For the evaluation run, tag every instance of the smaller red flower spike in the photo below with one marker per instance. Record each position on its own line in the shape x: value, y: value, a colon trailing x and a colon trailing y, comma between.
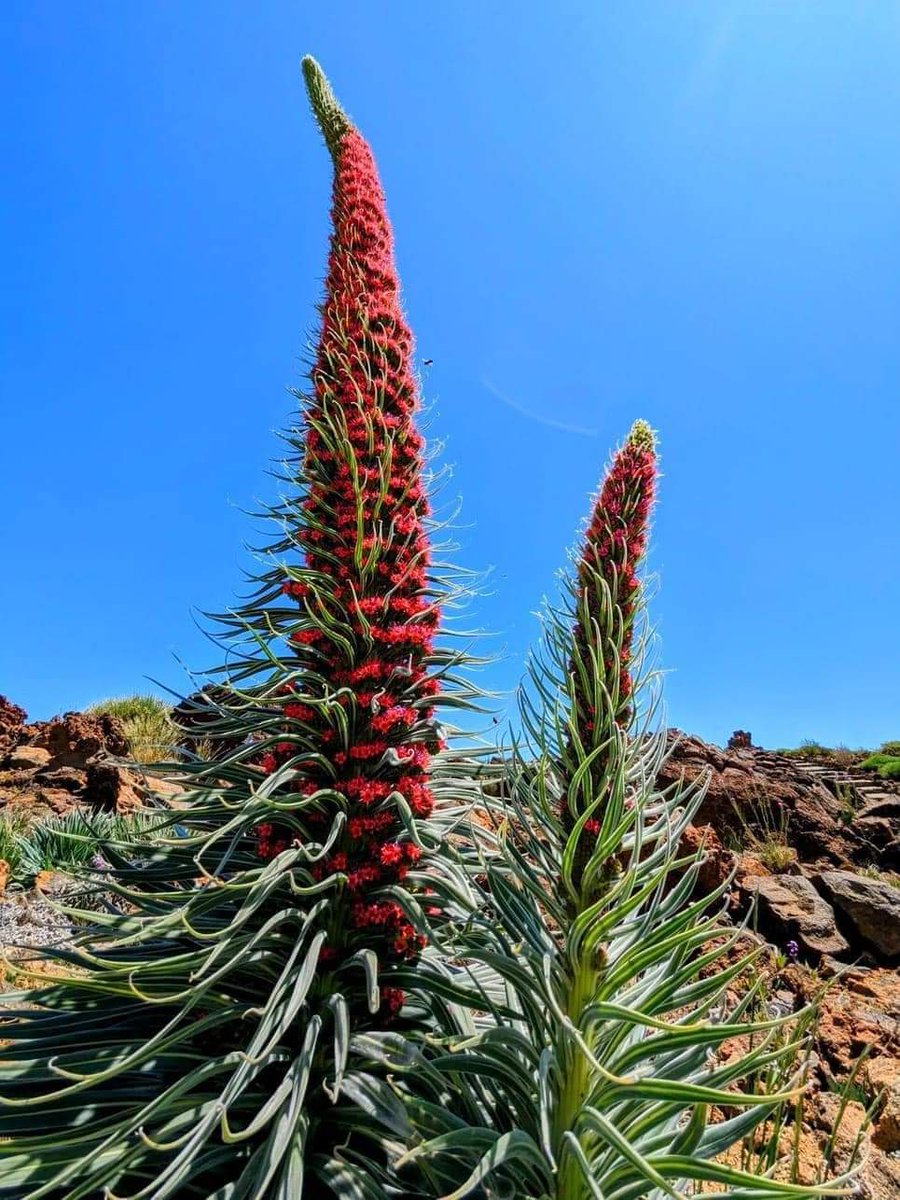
x: 614, y: 545
x: 607, y: 588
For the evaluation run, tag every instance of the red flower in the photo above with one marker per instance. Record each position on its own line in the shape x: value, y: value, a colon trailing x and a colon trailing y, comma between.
x: 390, y: 854
x: 606, y: 591
x: 299, y: 712
x: 392, y: 1000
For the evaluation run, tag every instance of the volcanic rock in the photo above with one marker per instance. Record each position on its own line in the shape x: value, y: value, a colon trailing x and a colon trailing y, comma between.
x: 75, y: 738
x: 792, y: 910
x: 27, y: 758
x: 887, y: 808
x: 110, y: 788
x: 70, y: 779
x: 104, y: 782
x: 717, y: 863
x: 58, y: 800
x: 830, y: 815
x: 12, y: 718
x: 871, y: 907
x: 882, y: 1076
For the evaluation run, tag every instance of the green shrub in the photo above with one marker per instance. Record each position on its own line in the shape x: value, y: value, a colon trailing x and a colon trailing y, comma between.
x: 839, y: 756
x: 148, y: 725
x: 129, y: 708
x: 774, y: 854
x: 807, y: 749
x: 761, y: 828
x: 873, y: 762
x: 891, y: 748
x: 887, y: 765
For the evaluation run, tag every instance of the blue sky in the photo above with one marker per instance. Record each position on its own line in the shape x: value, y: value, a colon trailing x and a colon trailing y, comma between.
x: 685, y: 212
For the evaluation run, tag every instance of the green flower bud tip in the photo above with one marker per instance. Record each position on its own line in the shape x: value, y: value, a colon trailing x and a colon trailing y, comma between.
x: 642, y: 436
x: 332, y: 119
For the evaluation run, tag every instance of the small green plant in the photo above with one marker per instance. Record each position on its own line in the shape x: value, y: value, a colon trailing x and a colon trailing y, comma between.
x: 763, y: 1148
x: 876, y: 873
x: 891, y: 748
x: 774, y: 853
x: 809, y: 748
x: 67, y: 843
x: 847, y: 799
x: 843, y: 756
x: 849, y: 1091
x: 763, y: 831
x: 14, y: 825
x: 148, y: 725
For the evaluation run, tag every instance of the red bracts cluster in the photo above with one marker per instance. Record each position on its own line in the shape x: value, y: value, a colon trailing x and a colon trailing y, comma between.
x: 614, y: 545
x: 607, y: 586
x: 366, y: 623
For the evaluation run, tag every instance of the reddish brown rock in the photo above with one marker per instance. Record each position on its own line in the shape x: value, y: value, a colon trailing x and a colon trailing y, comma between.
x: 790, y: 909
x: 859, y: 1012
x: 740, y: 740
x: 750, y: 867
x: 871, y: 907
x: 56, y: 799
x: 28, y: 758
x: 822, y: 809
x: 70, y: 779
x: 109, y: 788
x: 882, y: 1078
x: 12, y: 718
x: 717, y: 863
x: 735, y: 789
x: 75, y: 738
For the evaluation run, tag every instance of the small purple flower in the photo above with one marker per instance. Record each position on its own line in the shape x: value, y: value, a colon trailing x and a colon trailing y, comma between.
x: 792, y: 950
x: 99, y: 863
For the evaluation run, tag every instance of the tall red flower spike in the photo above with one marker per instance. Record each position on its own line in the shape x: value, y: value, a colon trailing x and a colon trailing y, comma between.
x: 606, y: 590
x: 367, y: 621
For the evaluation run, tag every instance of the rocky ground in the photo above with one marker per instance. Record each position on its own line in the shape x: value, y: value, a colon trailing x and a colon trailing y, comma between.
x: 52, y: 766
x: 47, y: 769
x: 815, y: 844
x: 812, y: 848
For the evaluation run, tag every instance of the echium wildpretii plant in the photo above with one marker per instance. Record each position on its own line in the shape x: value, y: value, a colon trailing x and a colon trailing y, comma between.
x: 591, y: 1070
x: 198, y: 1041
x: 301, y: 988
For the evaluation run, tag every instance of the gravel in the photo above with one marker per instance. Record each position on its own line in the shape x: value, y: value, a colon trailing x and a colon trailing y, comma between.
x: 27, y: 921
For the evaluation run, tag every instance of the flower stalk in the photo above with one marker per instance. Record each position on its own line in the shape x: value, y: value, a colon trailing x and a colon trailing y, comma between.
x: 606, y: 598
x: 366, y: 619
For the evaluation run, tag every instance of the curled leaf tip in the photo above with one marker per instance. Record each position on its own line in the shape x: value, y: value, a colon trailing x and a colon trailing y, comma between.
x: 332, y: 119
x: 642, y: 436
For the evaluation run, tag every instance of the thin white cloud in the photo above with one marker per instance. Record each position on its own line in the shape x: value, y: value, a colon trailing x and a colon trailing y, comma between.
x: 706, y: 75
x: 580, y: 430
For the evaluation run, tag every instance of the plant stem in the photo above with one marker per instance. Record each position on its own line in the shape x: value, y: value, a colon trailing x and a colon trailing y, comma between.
x: 576, y: 1087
